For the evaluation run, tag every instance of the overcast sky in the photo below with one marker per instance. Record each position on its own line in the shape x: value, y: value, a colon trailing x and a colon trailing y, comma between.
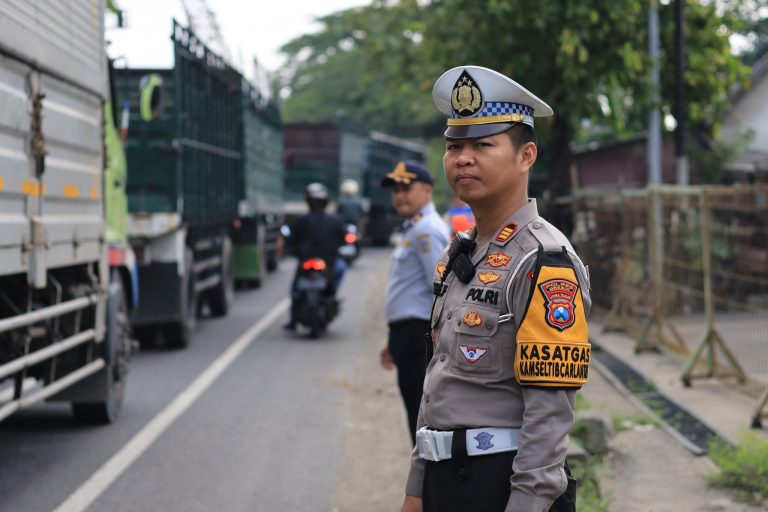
x: 250, y: 28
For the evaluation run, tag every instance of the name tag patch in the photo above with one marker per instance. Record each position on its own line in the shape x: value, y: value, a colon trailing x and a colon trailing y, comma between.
x: 472, y: 354
x: 483, y: 296
x: 558, y: 364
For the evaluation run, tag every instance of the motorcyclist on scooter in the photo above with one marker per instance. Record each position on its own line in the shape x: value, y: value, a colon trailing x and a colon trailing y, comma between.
x: 317, y: 234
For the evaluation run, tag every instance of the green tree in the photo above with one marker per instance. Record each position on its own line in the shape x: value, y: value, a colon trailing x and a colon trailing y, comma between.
x: 587, y: 59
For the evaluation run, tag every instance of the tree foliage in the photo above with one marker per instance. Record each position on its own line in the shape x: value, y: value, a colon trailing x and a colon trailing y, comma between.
x: 587, y: 59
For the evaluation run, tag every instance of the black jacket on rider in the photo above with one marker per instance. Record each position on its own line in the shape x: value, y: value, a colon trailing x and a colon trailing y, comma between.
x: 318, y: 235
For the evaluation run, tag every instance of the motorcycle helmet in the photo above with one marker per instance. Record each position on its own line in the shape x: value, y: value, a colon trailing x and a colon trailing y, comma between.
x: 349, y: 188
x: 316, y: 195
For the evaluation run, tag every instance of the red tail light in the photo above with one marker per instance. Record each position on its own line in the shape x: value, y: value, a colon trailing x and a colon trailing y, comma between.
x: 350, y: 238
x: 314, y: 264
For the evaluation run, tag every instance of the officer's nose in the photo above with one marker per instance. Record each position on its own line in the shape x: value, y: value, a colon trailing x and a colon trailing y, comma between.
x: 465, y: 157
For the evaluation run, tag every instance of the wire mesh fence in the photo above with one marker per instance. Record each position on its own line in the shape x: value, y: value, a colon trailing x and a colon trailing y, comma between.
x: 685, y: 268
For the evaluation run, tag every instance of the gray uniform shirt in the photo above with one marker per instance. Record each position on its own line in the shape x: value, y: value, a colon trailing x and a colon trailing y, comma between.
x: 409, y: 287
x: 471, y: 380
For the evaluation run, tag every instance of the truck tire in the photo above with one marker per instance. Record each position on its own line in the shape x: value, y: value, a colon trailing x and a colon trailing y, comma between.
x: 117, y: 353
x: 220, y: 297
x: 178, y: 334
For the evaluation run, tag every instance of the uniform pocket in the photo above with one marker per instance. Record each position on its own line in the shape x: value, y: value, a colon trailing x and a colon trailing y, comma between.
x: 477, y: 351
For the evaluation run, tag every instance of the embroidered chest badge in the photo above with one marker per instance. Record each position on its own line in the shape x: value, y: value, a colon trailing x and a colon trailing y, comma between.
x: 484, y: 441
x: 506, y: 232
x: 488, y: 277
x: 472, y: 354
x: 559, y: 295
x: 498, y: 259
x: 472, y: 318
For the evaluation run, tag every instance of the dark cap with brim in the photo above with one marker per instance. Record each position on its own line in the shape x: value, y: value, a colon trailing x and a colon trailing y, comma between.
x: 406, y: 173
x: 476, y: 131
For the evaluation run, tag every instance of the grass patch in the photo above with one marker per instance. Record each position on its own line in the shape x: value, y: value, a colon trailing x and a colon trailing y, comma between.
x: 622, y: 422
x: 588, y: 495
x: 744, y: 468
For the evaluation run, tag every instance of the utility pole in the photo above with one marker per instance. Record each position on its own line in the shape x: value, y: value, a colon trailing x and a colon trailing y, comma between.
x: 681, y: 102
x: 654, y: 119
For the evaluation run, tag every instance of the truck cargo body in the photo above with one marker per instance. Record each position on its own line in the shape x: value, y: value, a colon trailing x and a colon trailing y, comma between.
x: 61, y: 309
x: 261, y: 203
x: 326, y: 153
x: 200, y: 175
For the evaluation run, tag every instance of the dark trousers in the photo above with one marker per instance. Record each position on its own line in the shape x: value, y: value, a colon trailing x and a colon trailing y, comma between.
x: 478, y: 484
x: 407, y: 349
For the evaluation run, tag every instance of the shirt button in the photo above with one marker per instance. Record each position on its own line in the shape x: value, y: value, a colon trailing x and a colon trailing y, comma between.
x: 489, y: 325
x: 449, y: 315
x: 426, y: 398
x: 536, y: 225
x: 442, y: 358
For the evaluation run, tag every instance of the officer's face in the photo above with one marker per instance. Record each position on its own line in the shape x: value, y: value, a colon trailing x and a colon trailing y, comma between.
x: 488, y: 170
x: 409, y: 199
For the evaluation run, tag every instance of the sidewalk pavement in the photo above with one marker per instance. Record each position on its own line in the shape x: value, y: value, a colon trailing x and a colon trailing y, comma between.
x: 649, y: 470
x: 719, y: 404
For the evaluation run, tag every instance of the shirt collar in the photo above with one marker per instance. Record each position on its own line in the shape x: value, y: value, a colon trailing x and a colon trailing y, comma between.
x: 426, y: 210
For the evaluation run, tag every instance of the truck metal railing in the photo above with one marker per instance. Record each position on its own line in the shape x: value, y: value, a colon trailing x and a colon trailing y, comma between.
x: 23, y: 363
x: 51, y: 389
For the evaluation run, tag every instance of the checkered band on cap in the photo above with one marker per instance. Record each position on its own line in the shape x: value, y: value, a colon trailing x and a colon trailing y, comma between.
x: 496, y: 112
x: 500, y: 108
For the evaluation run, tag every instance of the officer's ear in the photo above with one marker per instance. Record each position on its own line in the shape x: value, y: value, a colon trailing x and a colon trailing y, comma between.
x: 526, y: 156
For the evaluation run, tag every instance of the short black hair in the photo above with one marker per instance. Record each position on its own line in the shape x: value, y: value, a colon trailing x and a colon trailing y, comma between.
x: 521, y: 134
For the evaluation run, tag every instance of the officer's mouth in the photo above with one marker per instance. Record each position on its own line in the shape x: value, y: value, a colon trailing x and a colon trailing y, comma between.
x: 465, y: 178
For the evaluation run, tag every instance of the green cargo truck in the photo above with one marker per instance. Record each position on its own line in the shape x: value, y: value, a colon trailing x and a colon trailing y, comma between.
x: 261, y: 201
x: 195, y: 184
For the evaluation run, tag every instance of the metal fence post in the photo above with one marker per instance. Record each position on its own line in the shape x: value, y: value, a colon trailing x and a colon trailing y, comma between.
x: 712, y: 338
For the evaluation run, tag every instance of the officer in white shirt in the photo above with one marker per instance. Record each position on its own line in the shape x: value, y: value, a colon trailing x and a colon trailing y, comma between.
x: 409, y: 288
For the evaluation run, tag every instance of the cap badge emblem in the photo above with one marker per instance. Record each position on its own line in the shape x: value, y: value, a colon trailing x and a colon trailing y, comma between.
x: 473, y: 318
x: 466, y: 98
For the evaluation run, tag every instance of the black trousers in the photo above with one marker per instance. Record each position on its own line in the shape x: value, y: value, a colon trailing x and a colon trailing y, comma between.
x: 478, y: 484
x: 407, y: 349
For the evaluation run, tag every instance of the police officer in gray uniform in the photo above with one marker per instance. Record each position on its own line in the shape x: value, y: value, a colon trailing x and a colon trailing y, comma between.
x: 409, y: 288
x: 509, y: 320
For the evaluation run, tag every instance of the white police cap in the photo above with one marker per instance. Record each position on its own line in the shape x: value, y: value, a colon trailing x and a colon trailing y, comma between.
x: 480, y: 102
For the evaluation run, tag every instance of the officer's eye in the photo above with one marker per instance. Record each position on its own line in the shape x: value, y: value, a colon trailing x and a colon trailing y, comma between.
x: 452, y: 147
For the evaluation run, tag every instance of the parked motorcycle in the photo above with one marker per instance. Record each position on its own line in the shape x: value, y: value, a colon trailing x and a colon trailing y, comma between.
x: 314, y: 303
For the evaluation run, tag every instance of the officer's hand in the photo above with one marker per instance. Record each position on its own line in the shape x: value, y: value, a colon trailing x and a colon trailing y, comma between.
x: 385, y: 359
x: 412, y: 504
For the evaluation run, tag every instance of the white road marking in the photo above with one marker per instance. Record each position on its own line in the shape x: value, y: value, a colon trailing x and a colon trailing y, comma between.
x: 92, y: 488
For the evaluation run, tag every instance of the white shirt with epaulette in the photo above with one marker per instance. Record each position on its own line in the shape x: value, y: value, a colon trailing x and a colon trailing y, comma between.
x: 409, y: 287
x: 511, y: 348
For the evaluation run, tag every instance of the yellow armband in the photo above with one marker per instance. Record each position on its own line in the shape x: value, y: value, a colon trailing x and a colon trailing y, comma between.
x: 552, y: 341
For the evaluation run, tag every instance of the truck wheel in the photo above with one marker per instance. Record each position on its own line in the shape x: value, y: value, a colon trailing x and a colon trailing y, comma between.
x: 220, y: 296
x: 117, y: 353
x: 179, y: 333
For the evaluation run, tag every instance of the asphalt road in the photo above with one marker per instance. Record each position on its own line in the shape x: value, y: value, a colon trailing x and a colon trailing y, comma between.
x: 276, y: 430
